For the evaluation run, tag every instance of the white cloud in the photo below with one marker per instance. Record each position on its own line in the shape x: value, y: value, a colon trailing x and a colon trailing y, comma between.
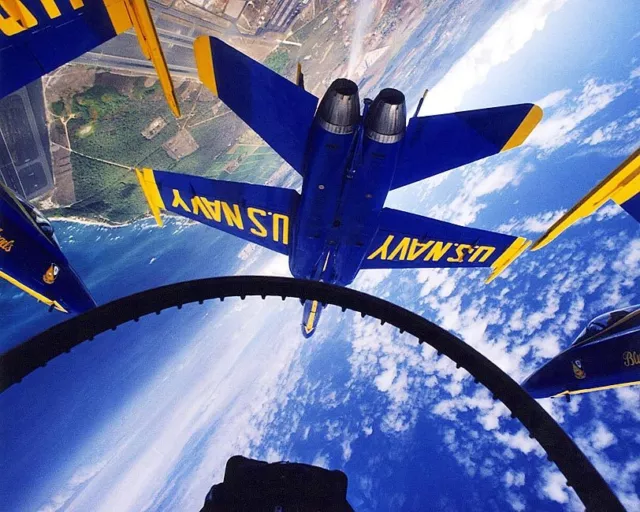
x: 480, y: 179
x: 502, y: 41
x: 520, y: 441
x: 622, y: 131
x: 635, y: 73
x: 563, y: 125
x: 554, y: 487
x: 514, y: 478
x: 602, y: 437
x: 75, y: 483
x: 553, y: 98
x: 537, y: 223
x: 608, y: 211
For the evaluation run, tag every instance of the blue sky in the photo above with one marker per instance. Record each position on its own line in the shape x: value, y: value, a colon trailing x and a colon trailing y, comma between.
x: 117, y: 426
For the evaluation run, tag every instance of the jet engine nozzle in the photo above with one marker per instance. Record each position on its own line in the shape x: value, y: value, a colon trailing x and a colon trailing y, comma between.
x: 339, y: 110
x: 386, y: 121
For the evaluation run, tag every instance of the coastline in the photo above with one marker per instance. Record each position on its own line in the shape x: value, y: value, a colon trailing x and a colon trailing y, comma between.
x: 92, y: 222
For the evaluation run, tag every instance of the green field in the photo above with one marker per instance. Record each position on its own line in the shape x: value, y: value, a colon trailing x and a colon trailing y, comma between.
x: 107, y: 125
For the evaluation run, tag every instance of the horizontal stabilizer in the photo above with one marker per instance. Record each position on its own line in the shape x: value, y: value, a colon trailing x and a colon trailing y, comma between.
x: 405, y: 240
x: 278, y: 110
x: 621, y: 186
x: 38, y: 36
x: 435, y: 144
x: 256, y: 213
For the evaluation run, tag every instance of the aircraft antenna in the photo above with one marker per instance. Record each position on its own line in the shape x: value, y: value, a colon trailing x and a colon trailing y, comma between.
x: 420, y: 103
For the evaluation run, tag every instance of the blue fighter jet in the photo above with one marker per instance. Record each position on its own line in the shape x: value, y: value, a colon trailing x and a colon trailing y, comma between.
x: 605, y: 355
x: 350, y: 156
x: 31, y: 259
x: 36, y: 37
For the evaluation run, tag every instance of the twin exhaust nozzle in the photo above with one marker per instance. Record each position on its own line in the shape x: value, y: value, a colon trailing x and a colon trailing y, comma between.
x: 339, y: 112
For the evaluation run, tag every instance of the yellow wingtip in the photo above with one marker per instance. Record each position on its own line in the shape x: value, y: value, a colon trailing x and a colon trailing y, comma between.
x: 151, y: 192
x: 527, y: 125
x: 204, y: 63
x: 620, y: 185
x: 518, y: 246
x: 32, y: 292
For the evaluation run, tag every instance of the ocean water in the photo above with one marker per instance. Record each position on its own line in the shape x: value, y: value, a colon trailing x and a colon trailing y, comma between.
x: 116, y: 262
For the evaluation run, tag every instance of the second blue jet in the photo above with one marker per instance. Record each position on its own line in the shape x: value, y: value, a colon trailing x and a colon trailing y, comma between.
x: 349, y: 157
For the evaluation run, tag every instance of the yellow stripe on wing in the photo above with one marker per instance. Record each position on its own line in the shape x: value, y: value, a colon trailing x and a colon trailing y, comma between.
x: 151, y: 192
x: 125, y: 14
x: 527, y: 125
x: 150, y: 44
x: 508, y: 257
x: 120, y: 19
x: 32, y: 292
x: 599, y: 388
x: 620, y: 186
x: 204, y: 63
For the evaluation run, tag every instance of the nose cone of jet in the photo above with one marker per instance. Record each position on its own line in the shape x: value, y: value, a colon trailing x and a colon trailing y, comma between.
x: 546, y: 381
x: 71, y: 293
x: 306, y: 332
x: 310, y: 317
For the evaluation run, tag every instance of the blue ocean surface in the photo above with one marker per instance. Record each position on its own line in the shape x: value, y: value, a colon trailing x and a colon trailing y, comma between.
x: 118, y: 261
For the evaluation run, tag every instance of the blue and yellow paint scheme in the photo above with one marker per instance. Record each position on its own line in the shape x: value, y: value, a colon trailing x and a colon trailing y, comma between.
x: 350, y: 156
x: 605, y: 355
x: 31, y: 259
x: 622, y: 186
x: 38, y: 36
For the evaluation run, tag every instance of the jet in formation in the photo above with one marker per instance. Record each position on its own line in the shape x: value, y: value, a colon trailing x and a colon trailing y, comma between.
x: 31, y: 258
x: 350, y: 155
x: 605, y: 355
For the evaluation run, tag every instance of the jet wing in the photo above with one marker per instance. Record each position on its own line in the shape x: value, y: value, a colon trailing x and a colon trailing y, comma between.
x: 621, y: 186
x: 405, y: 240
x: 256, y: 213
x: 278, y: 110
x: 38, y: 36
x: 435, y: 144
x: 33, y: 261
